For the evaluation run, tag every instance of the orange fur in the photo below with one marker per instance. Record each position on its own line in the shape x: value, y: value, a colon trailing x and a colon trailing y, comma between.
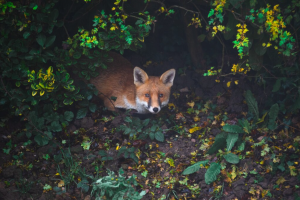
x: 132, y: 87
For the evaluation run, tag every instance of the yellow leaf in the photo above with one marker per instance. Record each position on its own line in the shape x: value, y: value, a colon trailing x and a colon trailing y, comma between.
x: 112, y: 28
x: 228, y: 83
x: 141, y: 39
x: 42, y: 92
x: 196, y: 119
x: 61, y: 183
x: 223, y: 123
x: 118, y: 147
x: 34, y: 93
x: 280, y: 180
x: 113, y: 8
x: 236, y: 82
x: 171, y: 106
x: 276, y: 160
x: 191, y: 104
x: 262, y: 162
x: 262, y: 119
x: 192, y: 130
x: 264, y: 193
x: 292, y: 171
x: 252, y: 191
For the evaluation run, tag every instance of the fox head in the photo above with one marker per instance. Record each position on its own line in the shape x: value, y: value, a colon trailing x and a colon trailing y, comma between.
x: 153, y: 92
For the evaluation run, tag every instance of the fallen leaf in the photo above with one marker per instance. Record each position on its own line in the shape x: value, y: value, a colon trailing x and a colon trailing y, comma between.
x: 280, y: 180
x: 61, y: 183
x: 186, y: 89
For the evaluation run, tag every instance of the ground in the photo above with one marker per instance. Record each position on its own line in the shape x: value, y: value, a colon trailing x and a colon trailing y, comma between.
x: 198, y: 110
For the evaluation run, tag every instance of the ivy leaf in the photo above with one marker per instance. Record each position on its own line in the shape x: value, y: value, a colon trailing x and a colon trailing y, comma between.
x: 211, y: 13
x: 232, y: 158
x: 41, y: 39
x: 212, y: 172
x: 194, y: 168
x: 68, y: 115
x: 81, y: 113
x: 55, y: 126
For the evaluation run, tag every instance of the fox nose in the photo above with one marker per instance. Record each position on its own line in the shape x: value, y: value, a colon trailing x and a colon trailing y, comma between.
x: 155, y: 109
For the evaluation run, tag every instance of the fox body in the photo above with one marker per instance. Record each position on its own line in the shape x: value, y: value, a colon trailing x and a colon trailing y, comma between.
x: 133, y: 88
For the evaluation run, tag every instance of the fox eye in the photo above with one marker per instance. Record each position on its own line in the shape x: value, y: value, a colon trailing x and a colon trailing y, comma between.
x: 147, y: 95
x: 161, y: 95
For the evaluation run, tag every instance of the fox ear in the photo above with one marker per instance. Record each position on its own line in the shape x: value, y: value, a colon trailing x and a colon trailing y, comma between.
x: 140, y: 76
x: 168, y: 77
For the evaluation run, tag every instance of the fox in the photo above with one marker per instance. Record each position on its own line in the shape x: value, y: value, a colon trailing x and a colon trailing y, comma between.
x: 132, y: 87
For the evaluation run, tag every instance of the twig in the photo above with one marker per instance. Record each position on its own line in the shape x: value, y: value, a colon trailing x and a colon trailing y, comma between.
x: 269, y: 72
x: 84, y: 13
x: 5, y: 87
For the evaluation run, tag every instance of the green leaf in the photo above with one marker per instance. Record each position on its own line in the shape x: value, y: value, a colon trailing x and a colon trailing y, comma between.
x: 68, y: 101
x: 26, y: 34
x: 69, y: 115
x: 277, y: 84
x: 35, y: 7
x: 245, y: 125
x: 43, y: 139
x: 272, y: 116
x: 232, y: 158
x: 211, y: 13
x: 231, y: 140
x: 159, y: 136
x: 41, y: 39
x: 212, y: 172
x: 151, y: 135
x: 128, y: 119
x: 236, y: 3
x: 233, y: 128
x: 50, y: 41
x: 55, y: 126
x: 81, y: 113
x: 77, y: 55
x: 194, y: 168
x: 252, y: 104
x: 241, y: 147
x: 92, y: 107
x: 220, y: 143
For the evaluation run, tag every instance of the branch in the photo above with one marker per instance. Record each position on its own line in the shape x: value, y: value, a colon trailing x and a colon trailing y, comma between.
x: 5, y: 87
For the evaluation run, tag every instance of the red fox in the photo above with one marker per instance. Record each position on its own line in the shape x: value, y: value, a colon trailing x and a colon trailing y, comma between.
x: 133, y: 88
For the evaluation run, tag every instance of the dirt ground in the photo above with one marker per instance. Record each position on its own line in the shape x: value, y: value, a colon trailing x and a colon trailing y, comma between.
x: 24, y: 171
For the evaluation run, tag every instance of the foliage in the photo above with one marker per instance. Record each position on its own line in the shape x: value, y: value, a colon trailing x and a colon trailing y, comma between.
x: 116, y: 187
x: 31, y: 64
x: 136, y: 127
x: 128, y: 153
